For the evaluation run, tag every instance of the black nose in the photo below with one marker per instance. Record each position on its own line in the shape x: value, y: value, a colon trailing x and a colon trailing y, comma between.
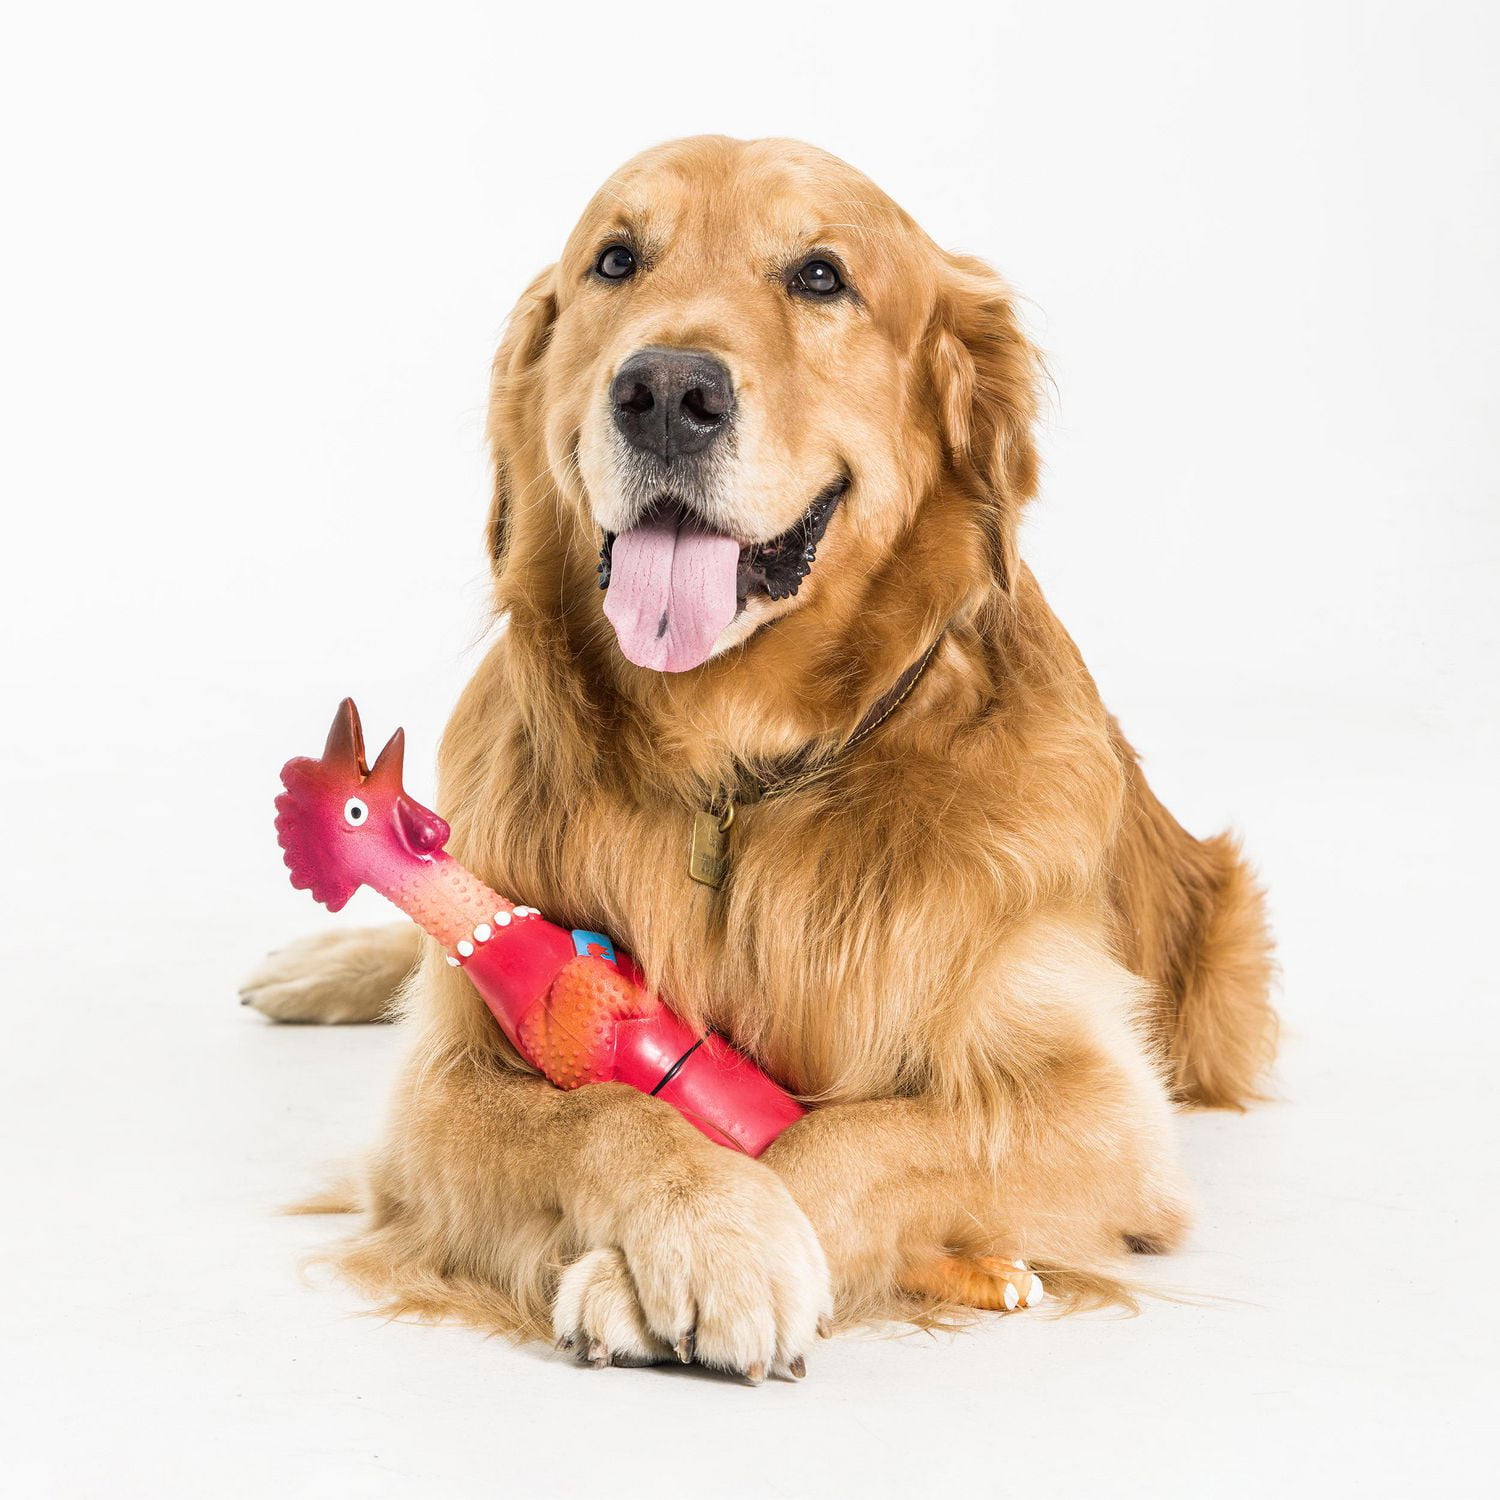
x: 671, y: 401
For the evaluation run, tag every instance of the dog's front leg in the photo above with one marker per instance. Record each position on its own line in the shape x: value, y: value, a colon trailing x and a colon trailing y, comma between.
x: 889, y: 1186
x: 906, y: 1210
x: 1047, y: 1136
x: 601, y: 1210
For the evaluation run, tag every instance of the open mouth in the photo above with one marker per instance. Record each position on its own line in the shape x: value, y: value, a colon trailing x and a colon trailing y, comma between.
x: 673, y: 586
x: 778, y: 567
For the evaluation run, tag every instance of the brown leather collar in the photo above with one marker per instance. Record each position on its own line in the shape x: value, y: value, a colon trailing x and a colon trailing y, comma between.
x: 755, y: 788
x: 708, y: 854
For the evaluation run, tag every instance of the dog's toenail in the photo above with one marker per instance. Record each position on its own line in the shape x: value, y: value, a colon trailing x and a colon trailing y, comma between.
x: 756, y: 1373
x: 798, y: 1367
x: 685, y: 1346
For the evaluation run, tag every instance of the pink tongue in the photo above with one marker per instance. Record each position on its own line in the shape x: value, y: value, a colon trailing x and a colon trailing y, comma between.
x: 671, y: 593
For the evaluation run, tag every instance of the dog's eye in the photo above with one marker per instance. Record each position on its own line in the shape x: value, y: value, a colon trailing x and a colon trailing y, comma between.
x: 818, y: 279
x: 355, y: 813
x: 616, y: 263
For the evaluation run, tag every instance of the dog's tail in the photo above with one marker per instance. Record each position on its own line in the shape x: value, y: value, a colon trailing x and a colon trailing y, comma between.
x: 1191, y: 920
x: 341, y: 1196
x: 1224, y: 1033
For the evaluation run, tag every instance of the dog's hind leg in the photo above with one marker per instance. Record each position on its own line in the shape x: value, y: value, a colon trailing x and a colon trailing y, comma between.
x: 340, y: 975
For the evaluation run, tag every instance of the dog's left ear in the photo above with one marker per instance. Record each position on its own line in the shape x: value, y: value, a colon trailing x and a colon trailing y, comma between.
x: 985, y: 378
x: 527, y: 332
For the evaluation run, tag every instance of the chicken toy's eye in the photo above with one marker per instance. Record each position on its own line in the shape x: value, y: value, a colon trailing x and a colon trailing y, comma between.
x: 355, y: 813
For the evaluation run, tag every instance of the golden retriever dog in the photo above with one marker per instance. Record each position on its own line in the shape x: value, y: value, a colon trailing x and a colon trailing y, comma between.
x: 794, y: 438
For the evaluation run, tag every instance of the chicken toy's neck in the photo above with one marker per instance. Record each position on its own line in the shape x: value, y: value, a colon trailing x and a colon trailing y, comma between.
x: 445, y: 899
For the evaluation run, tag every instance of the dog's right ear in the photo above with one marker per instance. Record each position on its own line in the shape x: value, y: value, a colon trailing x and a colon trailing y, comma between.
x: 512, y: 377
x: 985, y: 376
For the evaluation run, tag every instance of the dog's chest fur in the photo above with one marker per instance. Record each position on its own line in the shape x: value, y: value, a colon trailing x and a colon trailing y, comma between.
x: 812, y: 952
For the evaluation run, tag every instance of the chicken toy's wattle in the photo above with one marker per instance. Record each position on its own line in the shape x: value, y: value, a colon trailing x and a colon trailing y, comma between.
x: 567, y: 1000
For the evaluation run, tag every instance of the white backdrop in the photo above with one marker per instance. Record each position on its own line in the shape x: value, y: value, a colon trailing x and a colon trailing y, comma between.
x: 257, y: 259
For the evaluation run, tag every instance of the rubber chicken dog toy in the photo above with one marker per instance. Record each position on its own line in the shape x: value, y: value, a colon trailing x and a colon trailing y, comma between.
x: 570, y: 1002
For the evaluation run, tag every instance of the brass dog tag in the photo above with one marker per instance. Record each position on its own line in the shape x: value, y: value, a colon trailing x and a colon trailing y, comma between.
x: 708, y: 862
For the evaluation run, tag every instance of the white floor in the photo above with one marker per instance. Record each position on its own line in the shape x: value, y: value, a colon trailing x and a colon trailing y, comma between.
x: 1341, y: 1337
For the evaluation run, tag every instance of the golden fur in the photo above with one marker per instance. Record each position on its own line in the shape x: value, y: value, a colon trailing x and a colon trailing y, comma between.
x: 982, y: 947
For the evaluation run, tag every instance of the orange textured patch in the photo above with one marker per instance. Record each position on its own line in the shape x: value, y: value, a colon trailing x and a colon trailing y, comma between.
x: 571, y: 1034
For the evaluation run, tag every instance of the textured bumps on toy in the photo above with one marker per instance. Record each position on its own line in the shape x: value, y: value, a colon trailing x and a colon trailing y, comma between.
x: 570, y: 1036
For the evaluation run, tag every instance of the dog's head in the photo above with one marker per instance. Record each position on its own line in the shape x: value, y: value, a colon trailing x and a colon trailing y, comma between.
x: 750, y: 389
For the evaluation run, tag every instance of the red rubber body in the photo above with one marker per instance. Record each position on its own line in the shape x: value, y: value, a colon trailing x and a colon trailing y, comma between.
x: 595, y: 1023
x: 515, y: 970
x: 729, y: 1099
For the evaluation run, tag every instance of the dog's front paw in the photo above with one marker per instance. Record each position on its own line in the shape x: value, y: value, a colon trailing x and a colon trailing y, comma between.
x: 718, y: 1265
x: 598, y: 1316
